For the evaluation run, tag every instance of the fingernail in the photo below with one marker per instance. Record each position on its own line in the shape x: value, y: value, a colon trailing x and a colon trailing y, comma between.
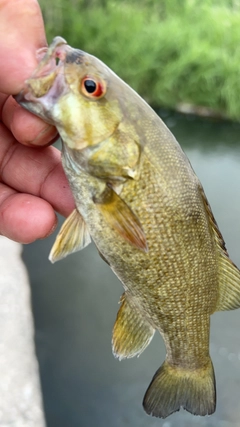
x: 40, y: 53
x: 52, y: 229
x: 45, y: 136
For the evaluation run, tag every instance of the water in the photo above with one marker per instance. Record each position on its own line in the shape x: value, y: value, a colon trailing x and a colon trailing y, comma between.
x: 75, y: 303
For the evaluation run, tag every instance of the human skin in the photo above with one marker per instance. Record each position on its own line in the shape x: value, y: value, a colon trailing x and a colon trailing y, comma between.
x: 32, y: 182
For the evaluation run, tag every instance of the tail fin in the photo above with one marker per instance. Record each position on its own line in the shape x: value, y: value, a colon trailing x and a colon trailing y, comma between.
x: 172, y: 388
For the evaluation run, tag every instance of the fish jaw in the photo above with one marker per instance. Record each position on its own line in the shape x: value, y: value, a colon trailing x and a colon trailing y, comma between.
x: 47, y: 83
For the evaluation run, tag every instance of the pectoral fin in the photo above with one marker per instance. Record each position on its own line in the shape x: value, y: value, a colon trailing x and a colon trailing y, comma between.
x: 131, y: 332
x: 118, y: 214
x: 72, y: 237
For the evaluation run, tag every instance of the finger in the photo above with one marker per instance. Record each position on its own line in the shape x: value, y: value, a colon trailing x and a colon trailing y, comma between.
x: 21, y: 34
x: 25, y: 218
x: 35, y: 171
x: 27, y: 128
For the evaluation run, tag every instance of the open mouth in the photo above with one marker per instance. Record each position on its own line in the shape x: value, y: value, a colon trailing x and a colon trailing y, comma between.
x: 47, y: 83
x: 46, y: 74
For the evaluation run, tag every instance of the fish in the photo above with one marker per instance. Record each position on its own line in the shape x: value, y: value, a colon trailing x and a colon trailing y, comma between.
x: 138, y: 199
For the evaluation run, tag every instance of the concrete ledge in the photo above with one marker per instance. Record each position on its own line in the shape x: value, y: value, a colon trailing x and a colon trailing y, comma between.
x: 20, y: 395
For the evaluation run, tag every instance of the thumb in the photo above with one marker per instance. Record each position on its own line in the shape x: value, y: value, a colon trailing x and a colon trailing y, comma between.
x: 21, y: 35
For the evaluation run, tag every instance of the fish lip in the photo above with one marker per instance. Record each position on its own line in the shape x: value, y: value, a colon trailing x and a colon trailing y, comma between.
x: 50, y: 67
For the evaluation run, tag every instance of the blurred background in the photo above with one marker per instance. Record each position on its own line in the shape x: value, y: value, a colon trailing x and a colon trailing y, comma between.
x: 180, y: 56
x: 170, y: 51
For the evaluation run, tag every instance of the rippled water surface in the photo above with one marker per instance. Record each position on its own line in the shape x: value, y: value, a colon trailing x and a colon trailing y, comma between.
x: 75, y: 303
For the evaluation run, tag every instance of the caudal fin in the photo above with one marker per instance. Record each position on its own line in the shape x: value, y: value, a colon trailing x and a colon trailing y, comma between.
x: 172, y: 388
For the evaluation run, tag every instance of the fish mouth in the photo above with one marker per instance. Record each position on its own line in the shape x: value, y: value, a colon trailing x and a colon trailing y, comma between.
x: 47, y: 83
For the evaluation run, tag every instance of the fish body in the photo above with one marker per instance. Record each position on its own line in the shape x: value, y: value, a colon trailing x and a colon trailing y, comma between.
x: 138, y: 198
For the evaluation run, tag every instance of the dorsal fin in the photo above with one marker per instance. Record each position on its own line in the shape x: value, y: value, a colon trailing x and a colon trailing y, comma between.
x: 229, y: 285
x: 229, y: 274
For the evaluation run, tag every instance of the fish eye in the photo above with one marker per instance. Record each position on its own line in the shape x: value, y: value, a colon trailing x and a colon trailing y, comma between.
x: 92, y: 88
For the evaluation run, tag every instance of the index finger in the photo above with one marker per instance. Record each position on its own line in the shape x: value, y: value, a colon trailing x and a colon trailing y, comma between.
x: 26, y: 128
x: 35, y: 171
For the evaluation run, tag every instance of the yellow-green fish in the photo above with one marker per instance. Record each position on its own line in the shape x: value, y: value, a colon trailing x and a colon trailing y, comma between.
x: 139, y: 200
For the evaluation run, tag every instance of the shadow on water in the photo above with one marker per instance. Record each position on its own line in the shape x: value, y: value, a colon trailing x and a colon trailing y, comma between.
x: 75, y: 304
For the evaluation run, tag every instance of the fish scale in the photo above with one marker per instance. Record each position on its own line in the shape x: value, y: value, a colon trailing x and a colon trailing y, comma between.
x: 138, y: 198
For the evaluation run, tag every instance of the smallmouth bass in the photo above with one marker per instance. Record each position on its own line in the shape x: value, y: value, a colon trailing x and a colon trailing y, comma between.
x: 139, y: 200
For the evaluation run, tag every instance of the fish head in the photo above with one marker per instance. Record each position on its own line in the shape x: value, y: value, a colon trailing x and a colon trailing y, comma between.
x: 90, y: 106
x: 70, y: 89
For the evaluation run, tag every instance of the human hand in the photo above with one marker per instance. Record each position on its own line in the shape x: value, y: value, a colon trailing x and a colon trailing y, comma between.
x: 32, y: 181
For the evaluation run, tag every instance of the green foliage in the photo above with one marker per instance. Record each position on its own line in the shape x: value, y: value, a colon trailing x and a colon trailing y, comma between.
x: 170, y: 51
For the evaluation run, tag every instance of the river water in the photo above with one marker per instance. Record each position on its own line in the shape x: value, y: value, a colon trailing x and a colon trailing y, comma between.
x: 75, y: 303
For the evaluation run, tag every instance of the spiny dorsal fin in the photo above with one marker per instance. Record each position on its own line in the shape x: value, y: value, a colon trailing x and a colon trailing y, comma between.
x: 119, y: 215
x: 131, y: 332
x: 229, y: 274
x: 72, y: 237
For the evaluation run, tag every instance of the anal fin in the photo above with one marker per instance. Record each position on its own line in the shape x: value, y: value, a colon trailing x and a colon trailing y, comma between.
x: 72, y: 237
x: 131, y: 332
x: 120, y: 216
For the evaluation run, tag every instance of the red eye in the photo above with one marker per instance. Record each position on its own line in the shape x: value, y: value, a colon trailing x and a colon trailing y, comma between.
x: 92, y: 88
